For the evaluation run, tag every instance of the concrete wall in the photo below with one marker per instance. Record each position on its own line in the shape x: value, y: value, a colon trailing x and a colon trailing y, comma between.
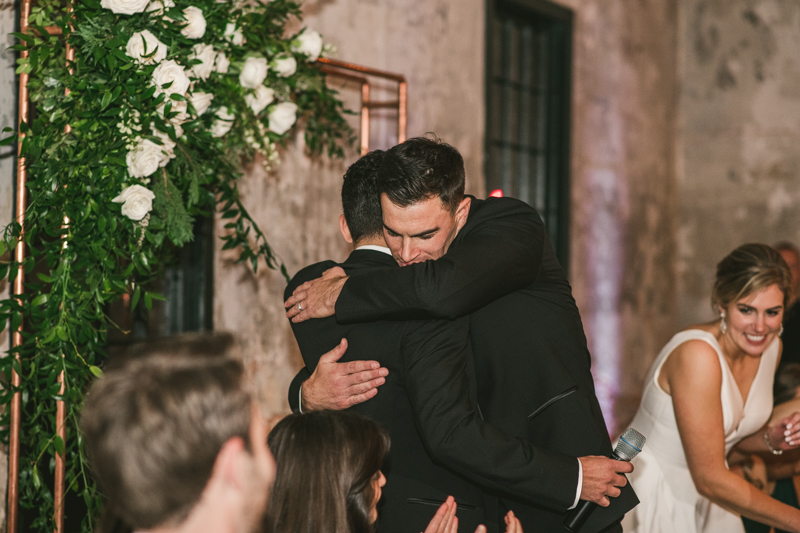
x: 438, y: 45
x: 623, y: 189
x: 740, y: 105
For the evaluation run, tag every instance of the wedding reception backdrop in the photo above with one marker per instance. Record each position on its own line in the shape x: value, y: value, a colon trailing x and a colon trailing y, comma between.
x: 135, y: 118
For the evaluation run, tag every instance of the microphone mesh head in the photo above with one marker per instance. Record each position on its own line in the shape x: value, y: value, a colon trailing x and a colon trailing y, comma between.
x: 629, y: 445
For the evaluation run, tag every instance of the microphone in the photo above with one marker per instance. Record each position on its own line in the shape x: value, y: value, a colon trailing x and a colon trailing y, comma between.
x: 628, y: 447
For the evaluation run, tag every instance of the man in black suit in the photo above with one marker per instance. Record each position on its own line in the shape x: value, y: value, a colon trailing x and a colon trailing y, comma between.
x: 791, y: 318
x: 491, y: 261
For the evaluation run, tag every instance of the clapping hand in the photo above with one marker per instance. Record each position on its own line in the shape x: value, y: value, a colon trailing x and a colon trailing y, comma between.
x: 446, y: 521
x: 785, y: 435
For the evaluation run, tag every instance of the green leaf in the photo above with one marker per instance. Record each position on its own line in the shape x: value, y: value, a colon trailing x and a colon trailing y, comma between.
x: 39, y: 300
x: 96, y: 371
x: 58, y: 444
x: 106, y: 100
x: 37, y: 481
x: 62, y: 333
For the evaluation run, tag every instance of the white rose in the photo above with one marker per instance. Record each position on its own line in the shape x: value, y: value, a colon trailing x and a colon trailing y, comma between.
x: 282, y: 117
x: 262, y: 98
x: 136, y: 201
x: 171, y: 72
x: 195, y: 23
x: 180, y: 108
x: 253, y: 72
x: 167, y: 144
x: 284, y: 64
x: 233, y: 35
x: 222, y: 63
x: 309, y: 43
x: 207, y: 55
x: 159, y: 6
x: 223, y: 123
x: 201, y: 102
x: 145, y: 157
x: 143, y: 44
x: 124, y: 7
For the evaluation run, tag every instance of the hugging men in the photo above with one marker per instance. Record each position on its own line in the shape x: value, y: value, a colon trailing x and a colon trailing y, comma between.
x: 489, y: 382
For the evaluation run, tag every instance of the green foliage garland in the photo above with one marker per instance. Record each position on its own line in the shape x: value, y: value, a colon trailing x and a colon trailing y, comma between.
x: 165, y: 101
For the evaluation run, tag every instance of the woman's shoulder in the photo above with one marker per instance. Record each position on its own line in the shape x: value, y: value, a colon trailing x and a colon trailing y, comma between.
x: 696, y: 350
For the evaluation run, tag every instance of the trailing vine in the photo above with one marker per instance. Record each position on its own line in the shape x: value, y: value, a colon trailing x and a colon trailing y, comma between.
x: 165, y: 100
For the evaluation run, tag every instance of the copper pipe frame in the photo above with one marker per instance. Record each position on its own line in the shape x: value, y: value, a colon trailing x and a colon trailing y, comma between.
x: 401, y: 104
x: 59, y: 485
x: 364, y: 82
x: 19, y: 288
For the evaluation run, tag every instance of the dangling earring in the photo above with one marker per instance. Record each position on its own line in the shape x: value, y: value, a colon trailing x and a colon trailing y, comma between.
x: 723, y: 326
x: 780, y: 333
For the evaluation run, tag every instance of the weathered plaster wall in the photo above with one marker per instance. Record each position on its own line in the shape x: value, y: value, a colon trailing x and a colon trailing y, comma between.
x: 438, y: 46
x: 623, y: 189
x: 740, y: 105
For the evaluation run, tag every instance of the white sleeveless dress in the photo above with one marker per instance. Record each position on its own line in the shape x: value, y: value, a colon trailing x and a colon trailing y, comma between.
x: 669, y: 501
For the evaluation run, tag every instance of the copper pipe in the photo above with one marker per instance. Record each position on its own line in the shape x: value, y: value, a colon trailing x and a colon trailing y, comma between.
x: 384, y: 105
x: 365, y: 103
x: 402, y: 119
x: 59, y: 486
x: 402, y: 92
x: 19, y: 288
x: 54, y: 30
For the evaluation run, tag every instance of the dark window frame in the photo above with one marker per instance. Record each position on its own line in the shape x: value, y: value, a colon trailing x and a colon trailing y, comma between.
x: 553, y: 25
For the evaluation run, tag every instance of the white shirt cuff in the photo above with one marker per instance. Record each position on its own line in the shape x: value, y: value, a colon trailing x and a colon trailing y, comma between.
x: 580, y: 484
x: 300, y: 408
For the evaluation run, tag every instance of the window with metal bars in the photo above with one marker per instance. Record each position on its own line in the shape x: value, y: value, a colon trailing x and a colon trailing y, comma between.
x: 528, y: 96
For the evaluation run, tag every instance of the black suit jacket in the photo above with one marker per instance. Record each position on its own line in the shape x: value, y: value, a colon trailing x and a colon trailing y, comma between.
x: 416, y: 483
x: 531, y: 356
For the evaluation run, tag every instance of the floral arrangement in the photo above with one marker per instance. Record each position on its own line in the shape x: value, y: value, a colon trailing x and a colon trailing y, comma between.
x: 164, y: 101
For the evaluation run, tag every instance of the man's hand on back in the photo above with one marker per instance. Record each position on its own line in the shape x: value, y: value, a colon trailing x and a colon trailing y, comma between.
x: 602, y: 478
x: 316, y: 298
x: 338, y: 386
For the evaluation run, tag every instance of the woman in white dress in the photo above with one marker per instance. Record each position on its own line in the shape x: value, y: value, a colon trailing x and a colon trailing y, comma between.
x: 710, y: 389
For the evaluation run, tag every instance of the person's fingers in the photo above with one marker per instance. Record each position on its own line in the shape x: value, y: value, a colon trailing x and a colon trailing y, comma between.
x: 604, y: 502
x: 623, y: 467
x: 480, y: 529
x: 452, y: 527
x: 619, y: 481
x: 439, y: 521
x: 353, y: 367
x: 366, y: 376
x: 613, y: 492
x: 334, y: 272
x: 297, y: 296
x: 335, y: 354
x: 361, y: 387
x: 358, y: 398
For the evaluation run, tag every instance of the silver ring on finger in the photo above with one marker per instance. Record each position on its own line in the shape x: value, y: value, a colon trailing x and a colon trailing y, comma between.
x: 299, y: 307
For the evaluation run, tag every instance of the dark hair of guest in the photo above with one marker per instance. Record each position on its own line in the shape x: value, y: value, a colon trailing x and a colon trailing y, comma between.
x: 787, y: 381
x: 326, y: 461
x: 361, y: 203
x: 422, y: 168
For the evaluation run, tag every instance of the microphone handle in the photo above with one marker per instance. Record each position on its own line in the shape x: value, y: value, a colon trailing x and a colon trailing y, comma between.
x: 577, y: 517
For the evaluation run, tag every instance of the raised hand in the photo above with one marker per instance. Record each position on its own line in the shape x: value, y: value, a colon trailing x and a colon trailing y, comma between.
x: 786, y: 433
x: 445, y: 519
x: 316, y: 298
x: 513, y: 525
x: 338, y: 386
x: 602, y: 478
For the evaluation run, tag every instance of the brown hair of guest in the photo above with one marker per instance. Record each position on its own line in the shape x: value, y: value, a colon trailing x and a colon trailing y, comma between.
x: 153, y: 430
x: 326, y: 462
x: 748, y: 269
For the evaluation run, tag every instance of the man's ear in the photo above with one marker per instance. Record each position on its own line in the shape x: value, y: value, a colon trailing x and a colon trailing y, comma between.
x: 345, y: 229
x: 462, y: 211
x: 227, y: 466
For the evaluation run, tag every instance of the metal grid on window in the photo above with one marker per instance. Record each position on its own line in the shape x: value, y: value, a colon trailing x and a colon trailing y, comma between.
x: 527, y: 123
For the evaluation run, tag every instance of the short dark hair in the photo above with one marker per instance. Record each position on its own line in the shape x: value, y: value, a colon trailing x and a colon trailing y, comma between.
x: 422, y: 168
x: 361, y: 202
x: 326, y: 461
x: 153, y: 429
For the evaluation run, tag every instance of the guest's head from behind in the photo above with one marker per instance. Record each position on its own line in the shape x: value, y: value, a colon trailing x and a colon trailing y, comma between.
x: 328, y: 473
x: 791, y: 255
x: 752, y: 289
x: 361, y: 221
x: 421, y: 184
x: 178, y: 442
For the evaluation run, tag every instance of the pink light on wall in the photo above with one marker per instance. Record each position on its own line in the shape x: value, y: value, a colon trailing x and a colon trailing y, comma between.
x: 497, y: 193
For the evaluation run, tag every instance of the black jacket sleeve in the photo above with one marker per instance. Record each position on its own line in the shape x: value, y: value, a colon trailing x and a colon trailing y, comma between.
x: 441, y: 387
x: 498, y: 251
